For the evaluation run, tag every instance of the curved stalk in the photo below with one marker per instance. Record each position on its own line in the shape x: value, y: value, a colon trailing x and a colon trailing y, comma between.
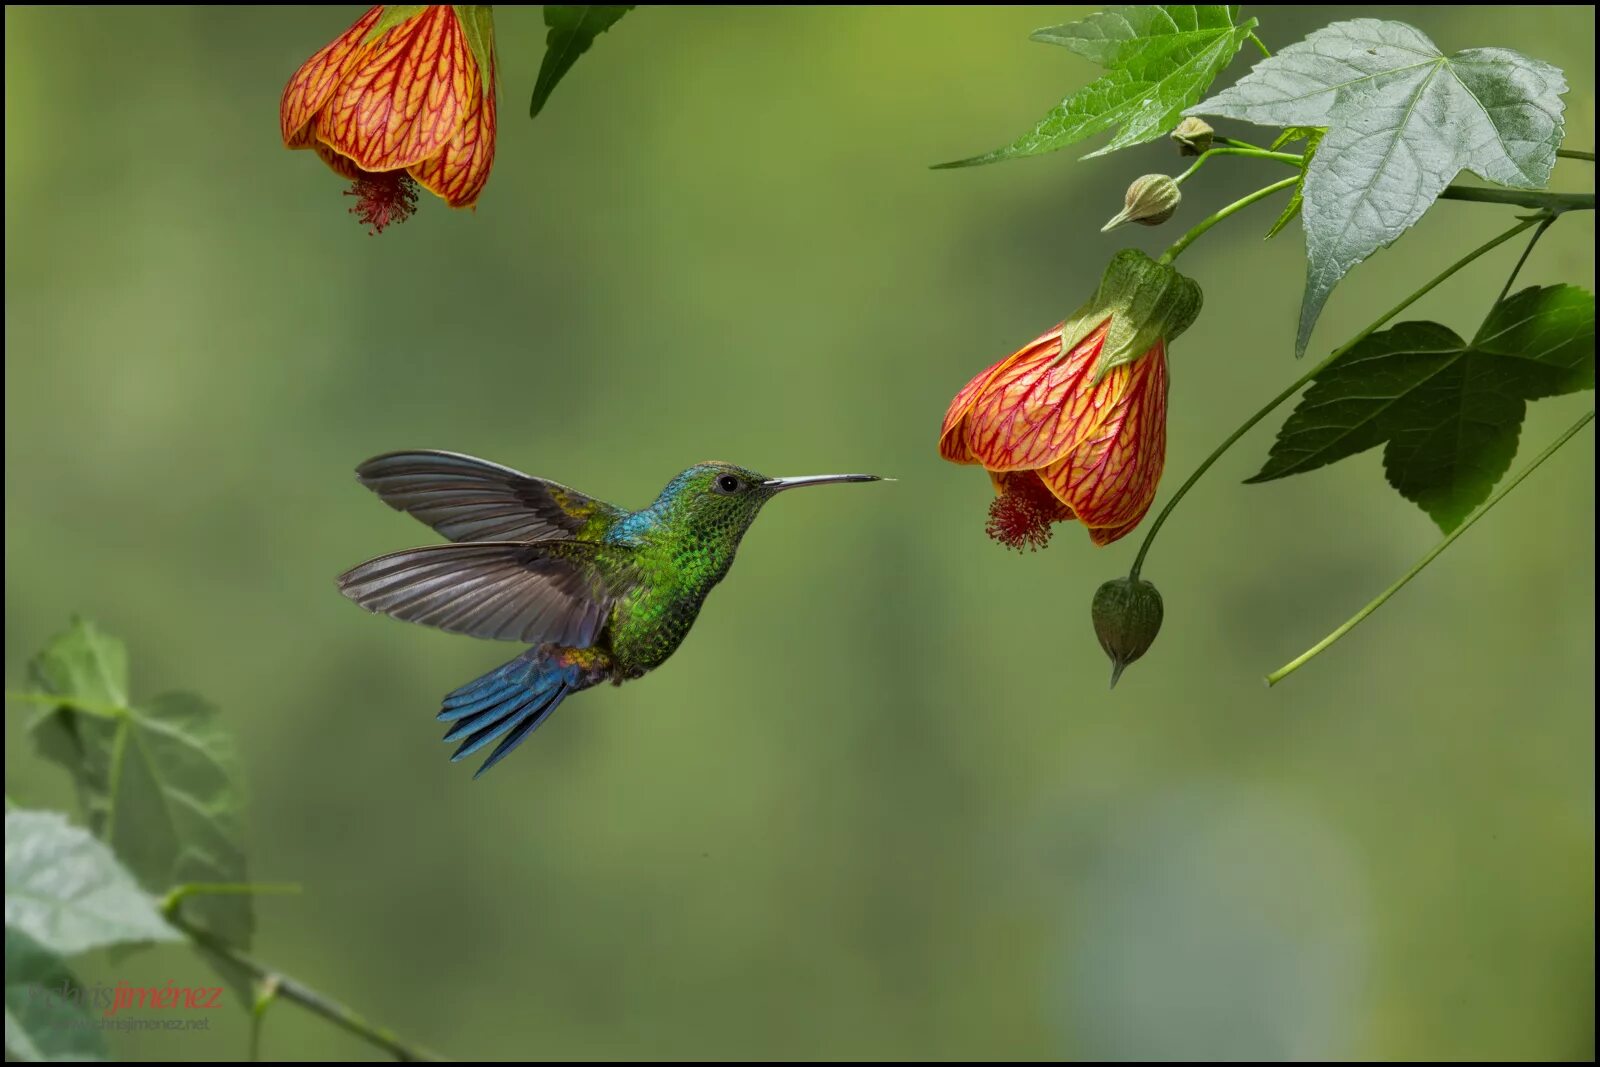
x: 1355, y: 620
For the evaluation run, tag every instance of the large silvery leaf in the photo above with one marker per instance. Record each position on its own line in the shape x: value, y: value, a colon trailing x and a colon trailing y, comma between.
x: 1159, y: 59
x: 1403, y: 121
x: 68, y: 893
x: 160, y: 780
x: 47, y: 1008
x: 1448, y: 412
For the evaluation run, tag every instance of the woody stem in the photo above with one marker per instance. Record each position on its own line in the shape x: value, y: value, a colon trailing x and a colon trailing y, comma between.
x: 1304, y: 379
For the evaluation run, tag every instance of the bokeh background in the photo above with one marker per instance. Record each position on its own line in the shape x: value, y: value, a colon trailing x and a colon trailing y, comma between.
x: 881, y: 804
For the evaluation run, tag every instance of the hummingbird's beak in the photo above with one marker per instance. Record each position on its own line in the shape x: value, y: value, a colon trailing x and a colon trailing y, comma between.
x: 777, y: 485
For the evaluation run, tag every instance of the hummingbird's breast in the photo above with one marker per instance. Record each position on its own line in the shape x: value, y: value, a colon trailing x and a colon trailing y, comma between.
x: 650, y: 621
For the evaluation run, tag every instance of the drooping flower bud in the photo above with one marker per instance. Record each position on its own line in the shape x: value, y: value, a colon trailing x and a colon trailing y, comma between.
x: 1150, y: 201
x: 1193, y: 136
x: 1127, y: 616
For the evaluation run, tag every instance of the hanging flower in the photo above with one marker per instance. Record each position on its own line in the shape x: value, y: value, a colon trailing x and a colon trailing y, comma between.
x: 1074, y: 425
x: 404, y: 97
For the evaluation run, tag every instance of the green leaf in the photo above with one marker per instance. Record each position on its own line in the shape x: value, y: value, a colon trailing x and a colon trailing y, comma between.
x: 573, y: 29
x: 1403, y: 121
x: 1312, y: 136
x: 1448, y: 412
x: 1159, y: 59
x: 160, y: 781
x: 66, y: 891
x: 47, y: 1019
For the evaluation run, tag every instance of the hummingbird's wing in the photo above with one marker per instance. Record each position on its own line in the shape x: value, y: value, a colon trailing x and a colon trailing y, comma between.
x: 469, y: 499
x: 535, y: 592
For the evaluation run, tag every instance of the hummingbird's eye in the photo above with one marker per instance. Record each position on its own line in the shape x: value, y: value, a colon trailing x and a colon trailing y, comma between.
x: 728, y: 484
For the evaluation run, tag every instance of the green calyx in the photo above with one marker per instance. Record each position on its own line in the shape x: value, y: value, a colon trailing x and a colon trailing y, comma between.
x: 1146, y: 302
x: 477, y: 24
x: 1127, y: 616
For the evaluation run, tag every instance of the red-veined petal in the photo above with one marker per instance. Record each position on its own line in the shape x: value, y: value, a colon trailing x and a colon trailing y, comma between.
x: 1110, y: 478
x: 313, y: 84
x: 405, y: 101
x: 459, y: 173
x: 1036, y: 409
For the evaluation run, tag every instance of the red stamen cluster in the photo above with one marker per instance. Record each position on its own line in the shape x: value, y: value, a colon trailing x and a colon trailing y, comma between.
x: 385, y: 197
x: 1021, y: 516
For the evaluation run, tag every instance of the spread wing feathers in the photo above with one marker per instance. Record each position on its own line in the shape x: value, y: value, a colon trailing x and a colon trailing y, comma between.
x: 533, y: 592
x: 469, y: 499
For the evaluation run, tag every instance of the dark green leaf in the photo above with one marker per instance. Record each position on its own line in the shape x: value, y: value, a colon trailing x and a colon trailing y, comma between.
x: 66, y: 891
x: 160, y: 781
x: 572, y: 30
x: 1403, y: 121
x: 1448, y: 412
x: 47, y: 1017
x: 1159, y: 59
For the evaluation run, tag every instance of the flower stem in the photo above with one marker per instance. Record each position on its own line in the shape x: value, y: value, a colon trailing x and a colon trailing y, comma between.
x: 1305, y: 657
x: 1252, y: 153
x: 1299, y: 383
x: 1257, y: 42
x: 286, y: 988
x: 1217, y: 216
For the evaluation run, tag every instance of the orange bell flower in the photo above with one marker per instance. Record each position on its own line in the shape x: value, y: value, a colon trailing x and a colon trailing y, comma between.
x: 1074, y: 425
x: 406, y: 96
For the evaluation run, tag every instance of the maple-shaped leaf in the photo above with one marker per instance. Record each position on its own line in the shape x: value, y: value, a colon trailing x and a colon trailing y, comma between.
x: 1403, y: 120
x: 1159, y: 58
x: 1447, y: 411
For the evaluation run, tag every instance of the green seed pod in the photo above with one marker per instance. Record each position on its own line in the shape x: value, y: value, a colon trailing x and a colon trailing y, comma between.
x: 1193, y: 136
x: 1150, y: 201
x: 1127, y: 616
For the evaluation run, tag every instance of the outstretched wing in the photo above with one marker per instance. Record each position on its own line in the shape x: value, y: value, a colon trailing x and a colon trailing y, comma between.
x: 533, y: 592
x: 469, y: 499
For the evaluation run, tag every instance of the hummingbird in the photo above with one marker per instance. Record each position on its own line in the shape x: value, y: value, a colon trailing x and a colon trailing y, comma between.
x: 601, y: 593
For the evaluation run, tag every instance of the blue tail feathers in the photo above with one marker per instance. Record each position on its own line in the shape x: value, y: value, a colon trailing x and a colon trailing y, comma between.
x: 512, y: 700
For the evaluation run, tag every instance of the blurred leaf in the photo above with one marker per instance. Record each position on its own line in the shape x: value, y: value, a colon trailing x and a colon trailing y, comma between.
x: 160, y: 782
x: 1448, y: 412
x: 42, y: 1023
x: 1160, y: 59
x: 1403, y: 120
x: 1312, y: 136
x: 573, y: 29
x: 65, y: 890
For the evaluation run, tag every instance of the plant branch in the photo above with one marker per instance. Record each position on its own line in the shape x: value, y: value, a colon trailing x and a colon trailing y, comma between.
x: 1305, y: 657
x: 1298, y: 384
x: 1177, y: 247
x: 1573, y: 153
x: 285, y: 988
x: 1555, y: 203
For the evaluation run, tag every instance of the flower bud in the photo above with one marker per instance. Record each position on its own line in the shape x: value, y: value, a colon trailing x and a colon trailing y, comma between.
x: 1127, y: 616
x: 1150, y: 201
x: 1193, y: 136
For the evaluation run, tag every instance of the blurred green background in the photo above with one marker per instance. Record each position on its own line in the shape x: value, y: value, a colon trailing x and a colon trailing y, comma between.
x: 881, y: 803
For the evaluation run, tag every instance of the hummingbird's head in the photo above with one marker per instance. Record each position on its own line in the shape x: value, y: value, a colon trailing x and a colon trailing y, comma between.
x: 724, y: 497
